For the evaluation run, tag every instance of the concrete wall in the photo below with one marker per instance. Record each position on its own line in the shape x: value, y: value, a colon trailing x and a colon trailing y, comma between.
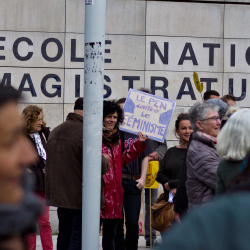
x: 153, y: 44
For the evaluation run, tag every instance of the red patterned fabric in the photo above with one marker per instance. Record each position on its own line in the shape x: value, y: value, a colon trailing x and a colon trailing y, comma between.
x: 113, y: 192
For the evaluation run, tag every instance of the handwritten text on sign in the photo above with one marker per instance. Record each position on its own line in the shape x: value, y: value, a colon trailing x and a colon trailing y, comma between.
x: 147, y: 113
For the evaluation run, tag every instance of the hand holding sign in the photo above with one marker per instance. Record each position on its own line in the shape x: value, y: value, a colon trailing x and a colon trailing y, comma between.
x: 140, y: 183
x: 142, y: 138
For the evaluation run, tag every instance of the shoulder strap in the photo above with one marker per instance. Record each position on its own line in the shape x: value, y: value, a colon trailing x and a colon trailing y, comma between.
x: 44, y: 137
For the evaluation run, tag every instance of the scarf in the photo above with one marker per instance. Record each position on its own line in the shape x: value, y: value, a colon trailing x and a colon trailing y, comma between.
x: 111, y: 136
x: 39, y: 145
x: 212, y: 138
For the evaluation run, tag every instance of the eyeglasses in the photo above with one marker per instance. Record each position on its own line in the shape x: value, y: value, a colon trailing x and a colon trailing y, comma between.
x: 213, y: 118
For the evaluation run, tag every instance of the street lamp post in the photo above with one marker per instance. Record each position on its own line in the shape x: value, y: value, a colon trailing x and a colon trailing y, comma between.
x: 95, y: 15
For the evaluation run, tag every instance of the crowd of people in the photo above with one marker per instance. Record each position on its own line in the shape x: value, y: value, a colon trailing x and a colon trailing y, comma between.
x: 217, y: 162
x: 205, y: 176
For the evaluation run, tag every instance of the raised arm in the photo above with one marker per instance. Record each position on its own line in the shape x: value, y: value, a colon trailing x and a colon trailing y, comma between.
x: 135, y: 150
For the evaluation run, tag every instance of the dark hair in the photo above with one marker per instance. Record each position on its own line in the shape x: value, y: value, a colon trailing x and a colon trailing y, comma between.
x: 145, y: 90
x: 8, y: 94
x: 208, y: 93
x: 121, y: 100
x: 110, y: 107
x: 181, y: 117
x: 228, y: 97
x: 79, y: 104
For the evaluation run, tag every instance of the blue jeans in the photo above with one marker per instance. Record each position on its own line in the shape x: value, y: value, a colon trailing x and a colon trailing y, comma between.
x: 154, y: 193
x: 70, y: 229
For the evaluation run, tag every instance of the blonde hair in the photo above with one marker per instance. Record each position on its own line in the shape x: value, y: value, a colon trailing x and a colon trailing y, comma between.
x: 30, y: 115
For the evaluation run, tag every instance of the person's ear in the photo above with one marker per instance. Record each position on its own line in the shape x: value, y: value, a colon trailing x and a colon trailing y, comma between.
x: 199, y: 125
x: 177, y: 134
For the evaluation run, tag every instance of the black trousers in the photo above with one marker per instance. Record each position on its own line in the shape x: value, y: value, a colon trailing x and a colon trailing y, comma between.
x: 70, y: 229
x: 108, y: 233
x: 132, y: 207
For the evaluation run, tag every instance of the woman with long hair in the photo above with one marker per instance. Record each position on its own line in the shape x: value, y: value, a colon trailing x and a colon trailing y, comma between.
x: 233, y: 145
x: 38, y: 134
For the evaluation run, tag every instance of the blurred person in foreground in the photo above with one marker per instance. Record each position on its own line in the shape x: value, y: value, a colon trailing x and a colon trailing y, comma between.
x: 202, y: 159
x: 222, y: 224
x: 233, y: 145
x: 19, y: 207
x: 38, y: 134
x: 174, y: 159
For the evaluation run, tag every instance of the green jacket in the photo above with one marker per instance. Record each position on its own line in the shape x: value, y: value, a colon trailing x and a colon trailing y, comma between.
x: 226, y: 172
x: 223, y: 224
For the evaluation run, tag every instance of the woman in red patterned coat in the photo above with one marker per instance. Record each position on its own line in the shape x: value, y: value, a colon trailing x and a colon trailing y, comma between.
x: 118, y: 157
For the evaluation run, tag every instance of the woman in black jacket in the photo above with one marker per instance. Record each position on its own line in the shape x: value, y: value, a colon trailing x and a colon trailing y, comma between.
x: 38, y: 134
x: 173, y: 161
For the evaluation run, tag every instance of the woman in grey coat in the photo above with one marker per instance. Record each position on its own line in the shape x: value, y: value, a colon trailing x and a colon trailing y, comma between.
x: 202, y: 158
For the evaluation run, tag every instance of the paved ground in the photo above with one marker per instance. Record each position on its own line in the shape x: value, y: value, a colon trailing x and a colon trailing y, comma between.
x: 141, y: 243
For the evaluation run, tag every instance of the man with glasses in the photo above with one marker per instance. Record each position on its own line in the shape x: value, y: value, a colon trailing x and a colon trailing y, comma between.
x: 202, y: 158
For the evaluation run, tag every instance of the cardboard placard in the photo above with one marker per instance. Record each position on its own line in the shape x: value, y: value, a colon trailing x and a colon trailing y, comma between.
x: 147, y: 113
x: 153, y: 168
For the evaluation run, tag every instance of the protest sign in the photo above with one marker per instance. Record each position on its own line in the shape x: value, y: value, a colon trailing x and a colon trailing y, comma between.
x: 147, y: 113
x: 153, y: 168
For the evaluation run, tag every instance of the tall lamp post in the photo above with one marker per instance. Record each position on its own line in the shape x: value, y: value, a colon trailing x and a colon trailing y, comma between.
x: 95, y: 15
